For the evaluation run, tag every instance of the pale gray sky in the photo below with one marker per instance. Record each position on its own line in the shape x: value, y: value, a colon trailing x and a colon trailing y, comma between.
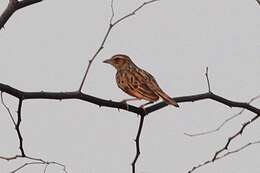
x: 47, y: 47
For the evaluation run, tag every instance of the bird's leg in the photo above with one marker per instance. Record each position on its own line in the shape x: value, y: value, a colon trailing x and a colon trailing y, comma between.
x: 142, y: 106
x: 126, y: 100
x: 130, y: 99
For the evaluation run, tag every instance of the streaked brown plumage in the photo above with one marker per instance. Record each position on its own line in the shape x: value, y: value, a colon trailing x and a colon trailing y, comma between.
x: 137, y: 82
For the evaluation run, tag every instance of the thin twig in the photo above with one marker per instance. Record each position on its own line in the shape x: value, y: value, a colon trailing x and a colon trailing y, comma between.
x: 134, y: 11
x: 237, y: 150
x: 37, y: 161
x: 10, y: 158
x: 207, y: 77
x: 33, y: 162
x: 7, y: 108
x: 24, y: 165
x: 137, y: 143
x: 224, y: 155
x: 235, y: 136
x: 223, y: 123
x: 45, y: 168
x: 110, y: 27
x: 112, y: 10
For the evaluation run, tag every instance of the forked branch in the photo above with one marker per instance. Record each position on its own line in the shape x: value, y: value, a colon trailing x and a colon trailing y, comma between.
x: 12, y: 7
x: 130, y: 108
x: 33, y: 161
x: 110, y: 27
x: 223, y: 123
x: 224, y: 155
x: 21, y: 95
x: 231, y: 138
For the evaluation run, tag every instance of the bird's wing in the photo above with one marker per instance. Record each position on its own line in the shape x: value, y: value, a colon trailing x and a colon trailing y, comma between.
x: 138, y: 86
x: 153, y: 85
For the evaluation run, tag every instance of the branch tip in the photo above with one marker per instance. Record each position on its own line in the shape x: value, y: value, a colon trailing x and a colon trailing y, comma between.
x: 207, y: 78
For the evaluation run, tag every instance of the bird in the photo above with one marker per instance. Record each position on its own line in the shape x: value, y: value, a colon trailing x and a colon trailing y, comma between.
x: 137, y: 82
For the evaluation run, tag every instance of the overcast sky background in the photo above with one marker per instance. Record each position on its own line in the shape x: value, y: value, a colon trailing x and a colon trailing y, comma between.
x: 47, y: 47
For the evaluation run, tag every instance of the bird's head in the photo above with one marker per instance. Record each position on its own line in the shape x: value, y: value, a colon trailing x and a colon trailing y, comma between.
x: 120, y: 61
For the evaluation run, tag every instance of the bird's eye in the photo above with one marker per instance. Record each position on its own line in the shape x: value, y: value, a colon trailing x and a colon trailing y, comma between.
x: 117, y: 60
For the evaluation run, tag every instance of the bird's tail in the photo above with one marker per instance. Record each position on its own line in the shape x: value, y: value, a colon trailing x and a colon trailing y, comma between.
x: 167, y: 99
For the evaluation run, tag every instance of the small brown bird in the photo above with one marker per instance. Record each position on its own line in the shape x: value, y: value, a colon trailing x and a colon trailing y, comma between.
x: 137, y: 82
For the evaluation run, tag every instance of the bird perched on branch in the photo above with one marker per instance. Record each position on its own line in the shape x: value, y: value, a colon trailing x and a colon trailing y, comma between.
x: 137, y: 82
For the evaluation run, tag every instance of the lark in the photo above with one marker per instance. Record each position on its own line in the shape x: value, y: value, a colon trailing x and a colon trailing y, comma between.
x: 137, y: 82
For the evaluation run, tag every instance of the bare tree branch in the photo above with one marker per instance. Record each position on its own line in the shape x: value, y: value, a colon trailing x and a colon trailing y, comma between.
x: 258, y: 1
x: 133, y: 12
x: 234, y: 136
x: 21, y: 95
x: 110, y: 27
x: 237, y: 150
x: 224, y: 155
x: 112, y: 11
x: 207, y: 77
x: 12, y: 7
x: 137, y: 142
x: 25, y: 165
x: 15, y: 5
x: 17, y: 127
x: 223, y: 123
x: 108, y: 103
x: 7, y: 108
x: 203, y: 96
x: 33, y: 161
x: 217, y: 154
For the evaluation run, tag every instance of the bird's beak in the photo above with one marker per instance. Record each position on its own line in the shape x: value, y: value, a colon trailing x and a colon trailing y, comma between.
x: 108, y: 61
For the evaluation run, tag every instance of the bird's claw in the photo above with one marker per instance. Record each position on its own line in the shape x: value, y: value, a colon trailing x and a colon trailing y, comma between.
x: 142, y: 107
